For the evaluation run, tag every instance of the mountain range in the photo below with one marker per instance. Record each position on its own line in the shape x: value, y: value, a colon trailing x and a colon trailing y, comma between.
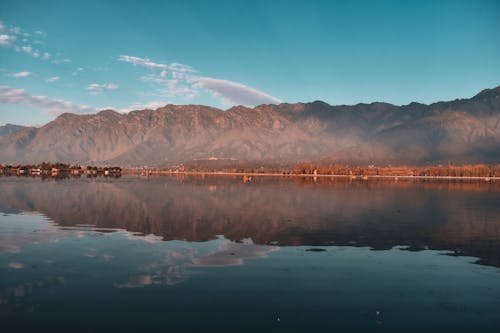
x: 459, y: 131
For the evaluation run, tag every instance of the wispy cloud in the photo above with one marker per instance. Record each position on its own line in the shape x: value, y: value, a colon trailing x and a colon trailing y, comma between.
x: 29, y: 50
x: 97, y: 88
x: 144, y: 62
x: 153, y: 105
x: 6, y: 40
x: 181, y: 68
x: 53, y: 79
x: 234, y: 92
x: 49, y: 105
x: 24, y: 42
x: 61, y: 61
x: 179, y: 80
x: 149, y: 105
x: 171, y: 87
x: 21, y: 74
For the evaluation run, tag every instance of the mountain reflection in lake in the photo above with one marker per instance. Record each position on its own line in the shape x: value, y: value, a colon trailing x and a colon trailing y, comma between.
x: 276, y: 254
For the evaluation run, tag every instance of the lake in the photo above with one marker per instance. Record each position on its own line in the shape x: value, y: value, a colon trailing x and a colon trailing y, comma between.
x: 190, y: 254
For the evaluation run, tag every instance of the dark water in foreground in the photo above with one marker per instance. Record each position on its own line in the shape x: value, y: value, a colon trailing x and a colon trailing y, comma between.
x: 275, y: 255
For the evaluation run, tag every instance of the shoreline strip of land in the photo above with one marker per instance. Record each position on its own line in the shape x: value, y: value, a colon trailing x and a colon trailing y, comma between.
x: 147, y: 172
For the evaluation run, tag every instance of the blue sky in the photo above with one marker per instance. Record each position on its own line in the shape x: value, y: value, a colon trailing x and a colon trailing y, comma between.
x: 83, y: 56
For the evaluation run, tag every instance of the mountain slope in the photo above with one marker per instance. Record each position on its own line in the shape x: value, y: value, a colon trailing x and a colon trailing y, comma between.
x: 460, y: 131
x: 8, y: 129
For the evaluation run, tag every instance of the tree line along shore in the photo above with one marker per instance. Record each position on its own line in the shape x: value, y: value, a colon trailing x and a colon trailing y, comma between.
x: 48, y: 169
x: 483, y: 171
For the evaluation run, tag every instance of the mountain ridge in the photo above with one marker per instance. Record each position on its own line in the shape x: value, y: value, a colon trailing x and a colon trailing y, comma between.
x: 458, y: 131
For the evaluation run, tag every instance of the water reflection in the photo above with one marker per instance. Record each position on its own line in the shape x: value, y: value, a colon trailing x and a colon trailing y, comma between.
x: 89, y: 278
x: 462, y: 217
x: 233, y: 254
x: 37, y: 254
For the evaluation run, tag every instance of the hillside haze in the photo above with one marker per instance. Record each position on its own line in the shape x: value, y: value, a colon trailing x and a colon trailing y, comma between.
x: 459, y: 131
x: 8, y: 129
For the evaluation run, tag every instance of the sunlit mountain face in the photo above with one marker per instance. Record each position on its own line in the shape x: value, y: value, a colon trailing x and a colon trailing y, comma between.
x: 461, y: 131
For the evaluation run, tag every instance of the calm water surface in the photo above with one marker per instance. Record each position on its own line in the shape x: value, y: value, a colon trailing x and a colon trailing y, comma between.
x: 275, y: 255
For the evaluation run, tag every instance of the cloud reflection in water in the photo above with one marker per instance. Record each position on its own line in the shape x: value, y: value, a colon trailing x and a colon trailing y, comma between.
x: 233, y: 254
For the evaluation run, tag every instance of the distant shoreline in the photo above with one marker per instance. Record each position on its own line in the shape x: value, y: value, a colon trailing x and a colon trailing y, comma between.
x: 478, y: 172
x: 257, y: 174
